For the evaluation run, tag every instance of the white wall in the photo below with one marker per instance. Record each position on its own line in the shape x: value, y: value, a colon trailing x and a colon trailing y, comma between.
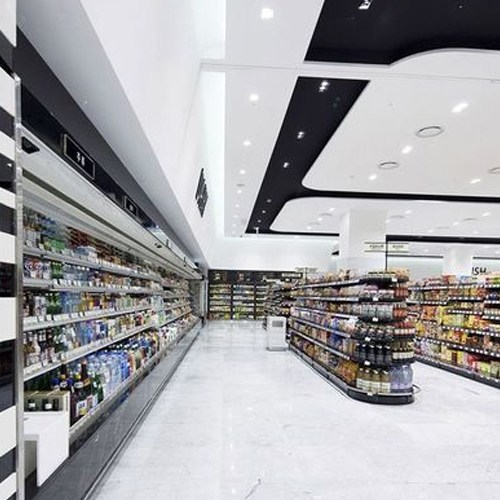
x: 271, y: 254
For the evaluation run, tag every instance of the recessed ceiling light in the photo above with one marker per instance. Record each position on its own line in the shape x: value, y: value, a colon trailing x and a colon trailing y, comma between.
x: 430, y: 231
x: 387, y: 221
x: 235, y: 216
x: 372, y: 177
x: 407, y: 149
x: 239, y: 191
x: 300, y: 134
x: 266, y: 13
x: 259, y: 221
x: 320, y: 219
x: 296, y: 237
x: 9, y: 164
x: 365, y: 4
x: 269, y: 200
x: 286, y: 164
x: 236, y: 206
x: 475, y: 232
x: 408, y: 212
x: 388, y: 165
x: 243, y: 171
x: 308, y: 228
x: 324, y: 86
x: 426, y: 250
x: 461, y: 106
x: 456, y: 223
x: 475, y: 181
x: 254, y: 98
x: 332, y: 209
x: 494, y: 171
x: 263, y: 211
x: 486, y: 214
x: 431, y: 131
x: 246, y: 143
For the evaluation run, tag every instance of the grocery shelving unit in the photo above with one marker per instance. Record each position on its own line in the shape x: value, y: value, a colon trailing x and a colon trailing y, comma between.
x: 458, y: 326
x: 241, y: 295
x: 356, y: 333
x: 278, y: 301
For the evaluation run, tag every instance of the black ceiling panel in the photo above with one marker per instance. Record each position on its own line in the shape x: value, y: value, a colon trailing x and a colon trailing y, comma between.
x: 389, y: 30
x: 317, y: 108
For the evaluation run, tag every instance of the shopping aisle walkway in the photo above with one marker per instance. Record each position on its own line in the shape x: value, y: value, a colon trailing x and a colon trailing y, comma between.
x: 238, y: 422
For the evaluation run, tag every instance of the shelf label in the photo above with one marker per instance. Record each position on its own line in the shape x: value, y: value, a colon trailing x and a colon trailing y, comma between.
x: 375, y: 246
x: 78, y: 157
x: 399, y: 248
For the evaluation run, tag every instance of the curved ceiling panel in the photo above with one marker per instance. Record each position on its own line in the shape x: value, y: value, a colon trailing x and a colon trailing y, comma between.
x: 378, y: 142
x: 321, y: 215
x: 385, y: 31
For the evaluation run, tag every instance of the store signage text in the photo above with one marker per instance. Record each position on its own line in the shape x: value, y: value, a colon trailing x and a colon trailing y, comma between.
x: 477, y: 270
x: 75, y: 153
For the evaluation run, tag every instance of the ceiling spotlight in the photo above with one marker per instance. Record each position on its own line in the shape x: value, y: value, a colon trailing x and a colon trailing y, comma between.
x: 365, y: 5
x: 236, y: 206
x: 320, y: 219
x: 332, y: 209
x: 246, y: 143
x: 408, y: 212
x: 239, y: 191
x: 301, y: 134
x: 254, y: 98
x: 486, y: 214
x: 263, y: 211
x: 388, y: 165
x: 475, y: 232
x: 266, y: 13
x: 407, y: 149
x: 9, y: 164
x: 259, y: 221
x: 324, y: 86
x: 431, y: 131
x: 430, y: 231
x: 387, y: 221
x: 456, y: 223
x: 286, y: 164
x: 243, y: 171
x: 309, y: 228
x: 461, y: 106
x: 269, y: 200
x: 475, y: 181
x: 372, y: 177
x: 495, y: 170
x: 235, y: 216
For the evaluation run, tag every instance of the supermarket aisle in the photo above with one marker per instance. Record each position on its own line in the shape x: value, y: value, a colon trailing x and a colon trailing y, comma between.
x: 238, y: 422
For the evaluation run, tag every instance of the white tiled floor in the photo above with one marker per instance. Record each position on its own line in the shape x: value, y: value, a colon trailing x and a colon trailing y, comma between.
x: 239, y: 422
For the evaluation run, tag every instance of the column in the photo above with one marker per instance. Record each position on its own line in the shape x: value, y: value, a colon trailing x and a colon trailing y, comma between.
x: 458, y: 260
x: 10, y: 406
x: 358, y: 229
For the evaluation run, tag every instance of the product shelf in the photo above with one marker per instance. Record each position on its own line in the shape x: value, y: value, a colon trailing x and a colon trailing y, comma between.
x: 79, y: 261
x: 36, y: 370
x: 353, y: 392
x: 37, y: 323
x: 460, y: 347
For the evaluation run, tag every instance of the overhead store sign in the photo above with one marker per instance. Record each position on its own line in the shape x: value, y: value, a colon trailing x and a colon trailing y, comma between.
x: 374, y: 246
x: 201, y: 196
x: 381, y: 247
x: 75, y: 153
x: 398, y: 248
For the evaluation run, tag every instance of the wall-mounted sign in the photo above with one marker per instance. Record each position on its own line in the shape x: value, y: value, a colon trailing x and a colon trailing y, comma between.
x: 398, y: 247
x: 130, y: 206
x: 75, y: 153
x: 201, y: 196
x: 374, y: 246
x: 478, y: 270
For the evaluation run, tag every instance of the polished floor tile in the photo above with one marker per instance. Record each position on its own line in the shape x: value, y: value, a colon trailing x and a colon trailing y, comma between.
x: 239, y: 422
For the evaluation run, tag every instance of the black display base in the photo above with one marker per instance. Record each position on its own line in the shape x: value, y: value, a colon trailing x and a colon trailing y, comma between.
x: 457, y: 370
x: 352, y: 392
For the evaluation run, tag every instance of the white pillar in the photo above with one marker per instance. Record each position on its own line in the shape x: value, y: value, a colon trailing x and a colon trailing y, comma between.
x: 358, y: 227
x: 458, y: 260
